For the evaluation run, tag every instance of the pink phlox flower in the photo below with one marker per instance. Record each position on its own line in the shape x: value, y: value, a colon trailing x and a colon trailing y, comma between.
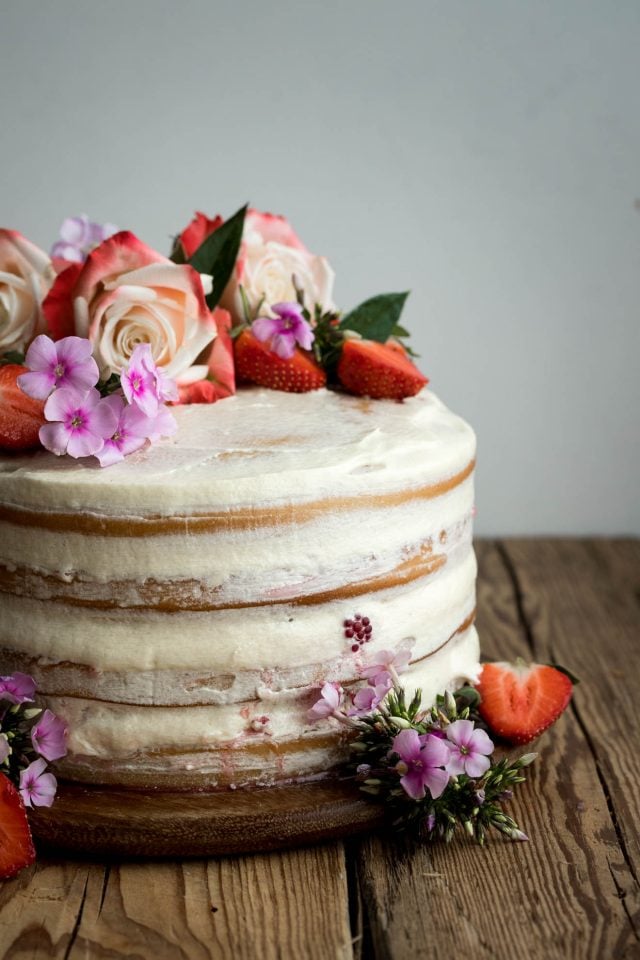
x: 421, y: 763
x: 285, y: 330
x: 18, y: 688
x: 79, y: 236
x: 367, y: 698
x: 133, y: 427
x: 329, y: 702
x: 37, y: 788
x: 162, y: 425
x: 65, y: 363
x: 469, y: 749
x: 144, y: 383
x: 386, y: 661
x: 81, y: 422
x: 49, y: 736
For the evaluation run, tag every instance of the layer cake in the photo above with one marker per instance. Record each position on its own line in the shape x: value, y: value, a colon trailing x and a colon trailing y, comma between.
x: 181, y: 609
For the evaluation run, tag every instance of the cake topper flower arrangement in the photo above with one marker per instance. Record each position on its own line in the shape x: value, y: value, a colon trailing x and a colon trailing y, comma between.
x: 241, y: 299
x: 30, y: 737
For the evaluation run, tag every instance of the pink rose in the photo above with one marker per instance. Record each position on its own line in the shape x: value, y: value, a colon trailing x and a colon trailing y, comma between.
x: 26, y: 274
x: 198, y: 231
x: 126, y: 294
x: 270, y: 255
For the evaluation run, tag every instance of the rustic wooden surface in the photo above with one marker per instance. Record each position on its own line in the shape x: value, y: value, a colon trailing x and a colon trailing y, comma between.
x: 572, y: 892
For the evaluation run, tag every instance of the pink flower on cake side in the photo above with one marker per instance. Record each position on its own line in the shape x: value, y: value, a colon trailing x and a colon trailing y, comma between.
x: 18, y: 688
x: 329, y: 703
x: 469, y: 749
x: 26, y: 275
x: 421, y: 763
x: 284, y: 331
x: 127, y: 294
x: 67, y: 363
x: 37, y: 788
x: 49, y: 736
x: 80, y: 423
x: 368, y: 698
x: 79, y: 236
x: 387, y: 663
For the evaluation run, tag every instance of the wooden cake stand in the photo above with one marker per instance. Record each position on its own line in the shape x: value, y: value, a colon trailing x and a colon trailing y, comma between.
x: 129, y: 823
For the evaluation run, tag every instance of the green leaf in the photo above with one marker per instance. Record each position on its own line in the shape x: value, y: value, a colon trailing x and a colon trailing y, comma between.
x: 376, y: 318
x: 12, y: 356
x: 218, y: 253
x: 177, y: 252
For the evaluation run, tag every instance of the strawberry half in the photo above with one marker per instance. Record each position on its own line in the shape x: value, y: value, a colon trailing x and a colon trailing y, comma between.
x: 16, y: 846
x: 256, y: 363
x: 382, y: 371
x: 520, y: 700
x: 20, y: 416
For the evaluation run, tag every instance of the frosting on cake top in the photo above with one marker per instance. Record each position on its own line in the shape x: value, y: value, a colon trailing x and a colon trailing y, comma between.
x: 259, y: 446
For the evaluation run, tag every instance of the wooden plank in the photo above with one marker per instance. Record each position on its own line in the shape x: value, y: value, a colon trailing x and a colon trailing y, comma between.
x: 269, y: 906
x: 555, y: 897
x: 581, y: 601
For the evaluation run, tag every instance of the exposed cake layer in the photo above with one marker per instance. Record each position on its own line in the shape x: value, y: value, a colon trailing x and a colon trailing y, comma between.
x: 260, y: 741
x: 167, y: 604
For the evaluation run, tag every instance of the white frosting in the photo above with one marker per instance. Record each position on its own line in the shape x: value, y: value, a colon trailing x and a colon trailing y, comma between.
x: 259, y: 447
x: 391, y: 492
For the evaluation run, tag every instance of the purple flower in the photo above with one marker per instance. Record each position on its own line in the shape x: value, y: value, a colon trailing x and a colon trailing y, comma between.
x: 36, y: 787
x: 368, y: 698
x: 285, y: 330
x: 133, y: 428
x: 19, y: 688
x: 421, y: 763
x: 469, y: 749
x: 79, y: 236
x: 66, y: 363
x: 144, y: 383
x: 329, y: 702
x: 162, y: 425
x: 84, y: 421
x: 387, y: 662
x: 49, y: 735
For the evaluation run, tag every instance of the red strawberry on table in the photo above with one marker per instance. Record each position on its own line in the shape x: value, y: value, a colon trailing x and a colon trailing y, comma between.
x: 382, y: 371
x: 16, y: 846
x: 257, y: 363
x: 20, y: 416
x: 520, y: 700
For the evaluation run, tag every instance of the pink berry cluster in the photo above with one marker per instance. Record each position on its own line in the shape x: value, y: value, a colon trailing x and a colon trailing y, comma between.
x: 359, y: 630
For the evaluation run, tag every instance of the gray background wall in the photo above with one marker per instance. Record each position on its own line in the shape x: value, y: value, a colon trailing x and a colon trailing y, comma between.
x: 484, y: 154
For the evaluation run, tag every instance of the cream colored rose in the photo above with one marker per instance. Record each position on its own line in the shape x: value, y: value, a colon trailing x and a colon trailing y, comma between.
x: 26, y: 275
x: 270, y: 255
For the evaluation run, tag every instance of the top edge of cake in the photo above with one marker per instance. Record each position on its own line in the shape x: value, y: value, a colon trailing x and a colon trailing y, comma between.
x: 257, y: 446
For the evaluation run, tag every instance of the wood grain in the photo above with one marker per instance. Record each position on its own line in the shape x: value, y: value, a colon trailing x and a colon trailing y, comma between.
x: 269, y: 906
x: 571, y: 892
x: 106, y: 821
x: 560, y: 896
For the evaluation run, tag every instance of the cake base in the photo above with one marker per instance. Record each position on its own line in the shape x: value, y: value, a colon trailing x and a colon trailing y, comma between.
x: 128, y: 823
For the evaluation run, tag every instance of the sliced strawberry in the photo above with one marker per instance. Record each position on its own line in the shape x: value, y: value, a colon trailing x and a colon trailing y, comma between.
x: 378, y: 370
x: 20, y: 416
x: 520, y: 700
x: 256, y: 363
x: 16, y: 846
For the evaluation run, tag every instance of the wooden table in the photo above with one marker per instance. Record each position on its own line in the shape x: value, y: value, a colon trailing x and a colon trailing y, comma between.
x: 573, y: 891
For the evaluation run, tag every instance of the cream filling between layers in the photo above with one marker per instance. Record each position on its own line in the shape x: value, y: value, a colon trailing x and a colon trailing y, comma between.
x: 229, y: 641
x: 115, y: 732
